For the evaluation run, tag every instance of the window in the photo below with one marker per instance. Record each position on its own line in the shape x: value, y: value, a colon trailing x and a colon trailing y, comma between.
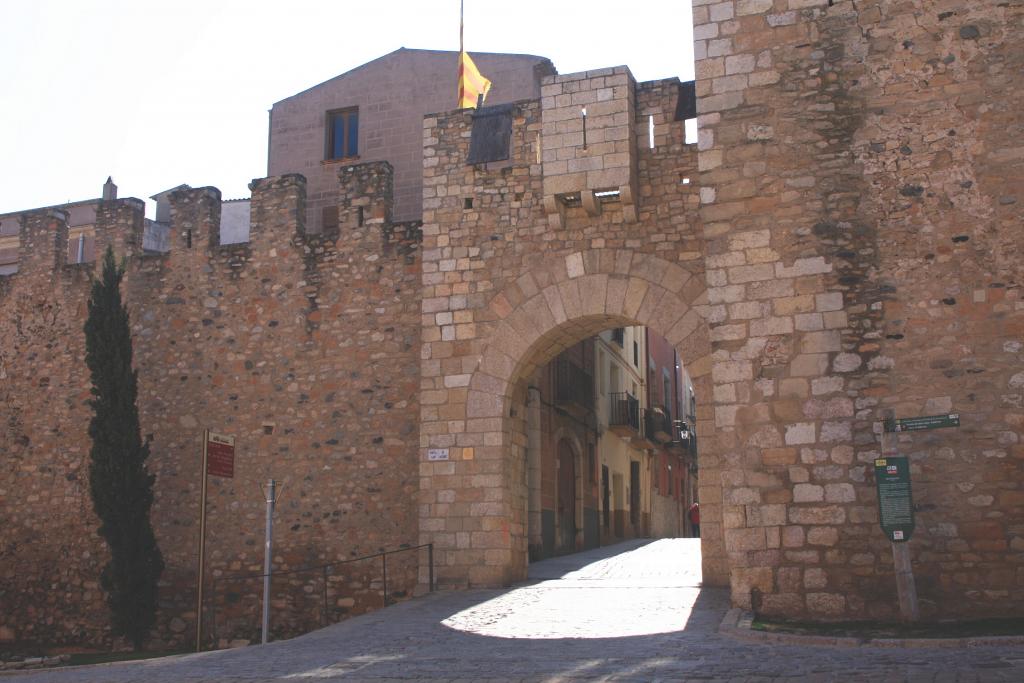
x: 666, y: 391
x: 636, y: 355
x: 82, y: 244
x: 619, y: 335
x: 343, y: 133
x: 8, y: 253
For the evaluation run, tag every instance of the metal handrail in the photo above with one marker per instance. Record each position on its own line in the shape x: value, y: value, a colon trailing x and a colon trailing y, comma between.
x: 323, y: 569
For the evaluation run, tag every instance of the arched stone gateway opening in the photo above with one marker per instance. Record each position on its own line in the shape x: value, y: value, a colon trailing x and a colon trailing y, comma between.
x: 474, y: 505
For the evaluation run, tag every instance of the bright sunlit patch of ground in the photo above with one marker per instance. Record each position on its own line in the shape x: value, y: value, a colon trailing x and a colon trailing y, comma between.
x: 555, y: 610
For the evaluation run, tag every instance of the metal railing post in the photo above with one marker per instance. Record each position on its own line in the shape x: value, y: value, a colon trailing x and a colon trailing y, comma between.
x: 323, y: 620
x: 384, y: 557
x: 430, y: 561
x: 213, y: 611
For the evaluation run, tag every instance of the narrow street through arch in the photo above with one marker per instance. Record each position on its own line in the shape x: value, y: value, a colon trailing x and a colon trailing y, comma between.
x: 634, y: 611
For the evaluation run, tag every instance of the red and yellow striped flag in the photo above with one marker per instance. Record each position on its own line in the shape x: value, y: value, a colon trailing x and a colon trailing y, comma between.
x: 472, y: 83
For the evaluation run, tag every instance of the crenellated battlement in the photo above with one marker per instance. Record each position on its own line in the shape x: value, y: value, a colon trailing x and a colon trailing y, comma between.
x: 46, y: 240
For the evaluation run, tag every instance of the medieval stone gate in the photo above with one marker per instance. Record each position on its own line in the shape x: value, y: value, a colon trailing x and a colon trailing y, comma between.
x: 837, y: 219
x: 510, y: 281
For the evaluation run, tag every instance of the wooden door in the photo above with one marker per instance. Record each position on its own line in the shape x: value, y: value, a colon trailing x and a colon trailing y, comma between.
x: 566, y: 498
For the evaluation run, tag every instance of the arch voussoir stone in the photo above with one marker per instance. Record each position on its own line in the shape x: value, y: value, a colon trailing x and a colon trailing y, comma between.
x: 683, y: 327
x: 649, y: 308
x: 570, y: 294
x: 671, y: 310
x: 615, y: 296
x: 674, y: 278
x: 553, y: 298
x: 593, y: 292
x: 649, y: 268
x: 520, y: 321
x: 636, y: 290
x: 508, y: 340
x: 496, y: 363
x: 539, y: 313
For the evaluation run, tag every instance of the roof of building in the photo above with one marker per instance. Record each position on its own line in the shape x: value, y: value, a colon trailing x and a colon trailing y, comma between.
x: 406, y: 51
x: 160, y: 195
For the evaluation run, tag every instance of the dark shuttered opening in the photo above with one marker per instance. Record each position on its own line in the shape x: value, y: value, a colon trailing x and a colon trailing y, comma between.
x: 686, y: 105
x: 492, y: 131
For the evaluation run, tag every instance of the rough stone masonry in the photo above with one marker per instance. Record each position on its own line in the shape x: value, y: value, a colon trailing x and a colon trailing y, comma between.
x: 861, y: 170
x: 842, y: 244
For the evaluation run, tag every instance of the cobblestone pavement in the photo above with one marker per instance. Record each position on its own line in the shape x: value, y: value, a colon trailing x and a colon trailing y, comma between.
x: 629, y: 612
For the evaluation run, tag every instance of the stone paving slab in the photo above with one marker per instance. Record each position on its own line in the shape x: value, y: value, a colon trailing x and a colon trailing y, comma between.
x: 630, y: 612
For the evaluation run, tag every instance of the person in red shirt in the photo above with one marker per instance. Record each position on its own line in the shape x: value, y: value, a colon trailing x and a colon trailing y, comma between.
x: 695, y: 519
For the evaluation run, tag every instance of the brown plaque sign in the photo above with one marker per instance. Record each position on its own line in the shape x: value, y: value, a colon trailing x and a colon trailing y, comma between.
x: 220, y: 455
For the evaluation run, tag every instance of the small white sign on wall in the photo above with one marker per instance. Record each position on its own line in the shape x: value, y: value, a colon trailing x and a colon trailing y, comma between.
x: 435, y: 454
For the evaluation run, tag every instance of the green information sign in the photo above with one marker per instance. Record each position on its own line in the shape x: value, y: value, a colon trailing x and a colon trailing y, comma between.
x: 895, y: 505
x: 913, y: 424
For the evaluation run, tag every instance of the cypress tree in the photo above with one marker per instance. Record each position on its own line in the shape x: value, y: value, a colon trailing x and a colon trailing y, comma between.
x: 120, y: 485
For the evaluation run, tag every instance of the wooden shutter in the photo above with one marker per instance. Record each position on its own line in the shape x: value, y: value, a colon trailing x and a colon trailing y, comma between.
x: 329, y: 218
x: 686, y: 105
x: 492, y: 131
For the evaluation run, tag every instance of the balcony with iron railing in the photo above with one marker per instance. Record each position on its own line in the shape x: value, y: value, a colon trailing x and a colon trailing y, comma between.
x: 659, y: 425
x: 574, y: 388
x: 624, y: 414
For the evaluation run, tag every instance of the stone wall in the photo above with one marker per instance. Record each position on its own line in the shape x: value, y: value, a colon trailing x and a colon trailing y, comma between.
x: 302, y: 347
x: 50, y: 554
x: 860, y: 166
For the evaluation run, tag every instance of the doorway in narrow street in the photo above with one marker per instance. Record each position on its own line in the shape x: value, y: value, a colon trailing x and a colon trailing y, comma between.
x: 566, y: 498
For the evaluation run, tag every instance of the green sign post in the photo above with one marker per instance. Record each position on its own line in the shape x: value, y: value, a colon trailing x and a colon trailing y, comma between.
x: 914, y: 424
x: 895, y: 504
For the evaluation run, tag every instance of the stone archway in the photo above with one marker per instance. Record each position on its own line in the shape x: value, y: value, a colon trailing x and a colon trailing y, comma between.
x: 473, y: 506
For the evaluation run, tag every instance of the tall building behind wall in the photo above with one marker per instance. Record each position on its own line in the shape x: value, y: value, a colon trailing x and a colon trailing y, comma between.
x: 375, y: 113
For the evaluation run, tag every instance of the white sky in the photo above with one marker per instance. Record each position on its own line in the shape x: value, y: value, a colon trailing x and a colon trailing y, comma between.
x: 162, y: 93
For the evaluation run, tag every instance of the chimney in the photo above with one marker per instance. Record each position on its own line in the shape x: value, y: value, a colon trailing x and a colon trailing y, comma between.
x: 109, y: 190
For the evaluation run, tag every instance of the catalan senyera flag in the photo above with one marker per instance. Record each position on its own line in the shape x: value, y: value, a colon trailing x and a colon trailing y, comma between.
x: 472, y: 83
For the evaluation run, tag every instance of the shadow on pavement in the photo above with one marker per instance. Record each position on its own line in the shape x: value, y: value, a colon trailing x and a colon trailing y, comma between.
x: 623, y: 613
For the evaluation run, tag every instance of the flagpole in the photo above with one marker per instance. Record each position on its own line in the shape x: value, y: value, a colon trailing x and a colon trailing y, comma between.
x: 458, y: 86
